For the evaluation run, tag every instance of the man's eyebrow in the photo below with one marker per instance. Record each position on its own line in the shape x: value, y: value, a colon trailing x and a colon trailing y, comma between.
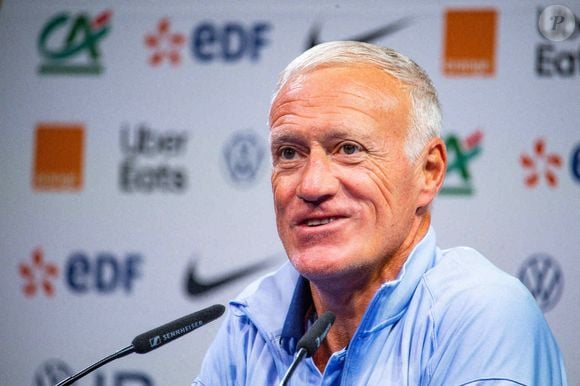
x: 279, y: 138
x: 341, y: 133
x: 330, y: 135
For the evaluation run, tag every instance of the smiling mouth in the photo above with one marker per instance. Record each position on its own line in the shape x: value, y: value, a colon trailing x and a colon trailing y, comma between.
x: 319, y: 221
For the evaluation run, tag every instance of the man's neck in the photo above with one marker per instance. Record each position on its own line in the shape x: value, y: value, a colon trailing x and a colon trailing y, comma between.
x: 350, y: 299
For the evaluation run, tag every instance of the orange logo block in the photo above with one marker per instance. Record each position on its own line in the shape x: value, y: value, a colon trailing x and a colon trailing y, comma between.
x: 58, y: 157
x: 470, y: 42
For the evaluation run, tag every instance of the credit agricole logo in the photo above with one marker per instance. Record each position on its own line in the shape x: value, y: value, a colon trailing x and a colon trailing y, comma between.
x: 461, y: 153
x: 70, y: 43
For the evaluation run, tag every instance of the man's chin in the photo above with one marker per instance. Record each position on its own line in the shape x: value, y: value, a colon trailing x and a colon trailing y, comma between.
x: 321, y: 265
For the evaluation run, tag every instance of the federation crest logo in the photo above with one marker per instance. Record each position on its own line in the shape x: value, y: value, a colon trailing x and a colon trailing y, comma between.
x: 69, y: 44
x: 543, y: 276
x: 243, y: 154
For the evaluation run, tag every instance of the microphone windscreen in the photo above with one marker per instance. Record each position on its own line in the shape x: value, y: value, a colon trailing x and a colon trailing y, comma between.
x: 312, y: 339
x: 157, y: 337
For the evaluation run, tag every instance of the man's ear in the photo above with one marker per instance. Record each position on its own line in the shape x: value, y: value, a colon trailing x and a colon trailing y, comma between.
x: 433, y: 165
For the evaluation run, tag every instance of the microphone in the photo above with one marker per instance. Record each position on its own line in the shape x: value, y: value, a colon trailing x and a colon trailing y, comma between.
x: 159, y: 336
x: 155, y: 338
x: 310, y: 342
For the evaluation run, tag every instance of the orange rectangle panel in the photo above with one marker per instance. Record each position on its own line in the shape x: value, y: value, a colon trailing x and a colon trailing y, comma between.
x: 58, y: 157
x: 470, y: 42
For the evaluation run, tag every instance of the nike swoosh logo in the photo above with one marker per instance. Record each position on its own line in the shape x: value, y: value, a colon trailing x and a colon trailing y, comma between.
x: 197, y: 286
x: 367, y: 37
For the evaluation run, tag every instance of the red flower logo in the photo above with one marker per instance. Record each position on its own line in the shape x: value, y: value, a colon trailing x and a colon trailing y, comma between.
x: 38, y: 275
x: 165, y: 45
x: 539, y: 164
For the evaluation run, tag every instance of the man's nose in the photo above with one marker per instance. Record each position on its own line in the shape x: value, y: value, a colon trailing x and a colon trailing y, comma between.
x: 318, y: 182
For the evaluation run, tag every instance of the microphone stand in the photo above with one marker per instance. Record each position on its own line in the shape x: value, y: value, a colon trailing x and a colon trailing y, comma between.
x: 297, y: 358
x: 119, y: 354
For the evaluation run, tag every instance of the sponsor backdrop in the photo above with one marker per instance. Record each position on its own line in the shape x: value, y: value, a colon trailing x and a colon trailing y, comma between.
x: 135, y: 166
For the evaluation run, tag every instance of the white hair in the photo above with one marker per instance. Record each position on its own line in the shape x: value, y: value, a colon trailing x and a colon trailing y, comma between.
x: 425, y: 114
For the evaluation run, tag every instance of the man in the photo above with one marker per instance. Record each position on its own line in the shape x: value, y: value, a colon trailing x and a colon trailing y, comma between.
x: 357, y: 161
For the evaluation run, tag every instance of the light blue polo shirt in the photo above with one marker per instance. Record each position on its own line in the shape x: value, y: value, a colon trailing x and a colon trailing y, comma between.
x: 450, y: 318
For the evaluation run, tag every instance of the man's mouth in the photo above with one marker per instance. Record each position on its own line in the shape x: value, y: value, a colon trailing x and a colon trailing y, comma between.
x: 319, y: 221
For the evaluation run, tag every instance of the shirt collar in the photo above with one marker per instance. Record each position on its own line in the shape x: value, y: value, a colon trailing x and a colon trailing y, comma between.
x: 393, y: 297
x: 385, y: 308
x: 294, y: 325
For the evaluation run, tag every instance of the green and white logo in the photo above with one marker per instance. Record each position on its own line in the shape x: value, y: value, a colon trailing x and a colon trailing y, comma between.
x: 459, y: 180
x: 69, y: 44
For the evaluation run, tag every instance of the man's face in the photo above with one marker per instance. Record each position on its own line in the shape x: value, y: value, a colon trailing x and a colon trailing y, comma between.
x: 345, y: 193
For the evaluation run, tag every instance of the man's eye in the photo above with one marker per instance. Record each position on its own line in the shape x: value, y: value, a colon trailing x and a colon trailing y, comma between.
x: 287, y: 153
x: 350, y: 148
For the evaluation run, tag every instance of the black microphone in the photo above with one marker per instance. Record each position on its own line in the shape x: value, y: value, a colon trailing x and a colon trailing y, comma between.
x: 310, y: 342
x: 155, y: 338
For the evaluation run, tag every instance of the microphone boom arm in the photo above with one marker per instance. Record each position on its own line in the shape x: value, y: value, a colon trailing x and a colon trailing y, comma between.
x: 119, y: 354
x: 297, y: 358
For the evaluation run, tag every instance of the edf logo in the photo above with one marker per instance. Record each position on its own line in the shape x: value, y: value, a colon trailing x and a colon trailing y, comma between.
x: 229, y: 42
x: 103, y: 273
x: 83, y: 273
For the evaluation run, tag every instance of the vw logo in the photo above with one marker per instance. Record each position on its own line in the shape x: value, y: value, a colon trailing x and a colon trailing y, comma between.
x: 243, y: 154
x: 542, y: 275
x: 51, y: 372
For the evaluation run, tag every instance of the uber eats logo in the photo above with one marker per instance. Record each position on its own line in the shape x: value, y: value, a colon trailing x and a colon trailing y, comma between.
x: 150, y: 160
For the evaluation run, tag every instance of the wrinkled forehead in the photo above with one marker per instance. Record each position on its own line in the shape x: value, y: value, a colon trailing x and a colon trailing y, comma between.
x: 361, y: 86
